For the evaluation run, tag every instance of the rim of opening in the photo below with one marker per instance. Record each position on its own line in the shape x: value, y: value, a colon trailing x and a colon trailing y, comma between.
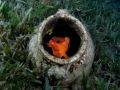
x: 82, y: 33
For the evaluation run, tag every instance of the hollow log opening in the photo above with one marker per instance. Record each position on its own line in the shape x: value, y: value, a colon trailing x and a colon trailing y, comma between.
x: 62, y: 27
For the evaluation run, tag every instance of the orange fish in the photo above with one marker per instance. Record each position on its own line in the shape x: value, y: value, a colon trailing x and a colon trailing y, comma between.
x: 59, y: 46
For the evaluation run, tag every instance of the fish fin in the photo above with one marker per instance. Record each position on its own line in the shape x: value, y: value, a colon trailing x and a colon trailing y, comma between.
x: 66, y: 56
x: 68, y: 42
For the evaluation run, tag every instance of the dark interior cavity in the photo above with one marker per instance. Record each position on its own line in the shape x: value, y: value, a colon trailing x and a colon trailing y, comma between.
x: 62, y: 28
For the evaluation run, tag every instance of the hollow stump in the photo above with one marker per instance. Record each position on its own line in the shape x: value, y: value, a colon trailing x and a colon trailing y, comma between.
x: 81, y: 51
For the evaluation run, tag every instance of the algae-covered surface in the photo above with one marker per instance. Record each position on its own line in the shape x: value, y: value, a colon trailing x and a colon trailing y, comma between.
x: 20, y: 18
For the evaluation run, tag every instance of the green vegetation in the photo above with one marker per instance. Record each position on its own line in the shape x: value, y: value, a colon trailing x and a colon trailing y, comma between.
x: 19, y: 18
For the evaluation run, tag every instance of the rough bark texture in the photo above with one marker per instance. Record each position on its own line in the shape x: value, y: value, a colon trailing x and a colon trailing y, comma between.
x: 70, y: 72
